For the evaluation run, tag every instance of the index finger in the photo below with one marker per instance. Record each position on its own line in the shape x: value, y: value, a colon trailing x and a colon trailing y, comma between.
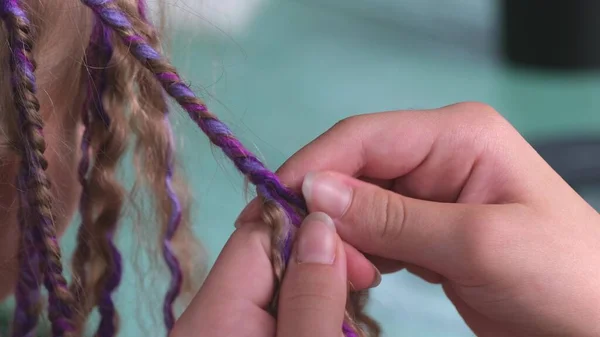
x: 237, y: 291
x: 363, y: 145
x: 384, y: 145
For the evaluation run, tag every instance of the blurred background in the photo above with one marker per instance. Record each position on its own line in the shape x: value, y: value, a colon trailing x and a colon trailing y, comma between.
x: 281, y: 72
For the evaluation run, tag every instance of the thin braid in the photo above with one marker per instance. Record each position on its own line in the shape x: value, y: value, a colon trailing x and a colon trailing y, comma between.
x: 92, y: 103
x: 174, y: 218
x: 168, y: 252
x: 27, y: 291
x: 268, y: 185
x: 108, y: 217
x: 218, y: 133
x: 98, y: 55
x: 39, y: 221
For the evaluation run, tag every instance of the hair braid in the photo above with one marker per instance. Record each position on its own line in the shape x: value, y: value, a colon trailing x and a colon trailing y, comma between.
x: 36, y: 189
x: 268, y: 185
x: 175, y: 212
x: 27, y: 291
x: 94, y: 116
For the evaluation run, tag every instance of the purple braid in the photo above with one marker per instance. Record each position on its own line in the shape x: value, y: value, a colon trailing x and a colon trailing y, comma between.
x: 103, y: 51
x: 83, y: 168
x: 169, y: 254
x: 219, y: 134
x: 27, y: 291
x: 98, y: 55
x: 174, y: 218
x: 36, y: 186
x: 267, y: 183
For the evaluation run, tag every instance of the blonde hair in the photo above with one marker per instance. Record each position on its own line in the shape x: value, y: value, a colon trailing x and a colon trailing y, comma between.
x: 134, y: 102
x: 138, y: 76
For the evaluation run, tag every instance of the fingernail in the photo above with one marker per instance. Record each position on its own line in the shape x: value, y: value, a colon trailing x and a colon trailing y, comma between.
x: 250, y: 213
x: 317, y: 242
x: 377, y: 280
x: 326, y: 192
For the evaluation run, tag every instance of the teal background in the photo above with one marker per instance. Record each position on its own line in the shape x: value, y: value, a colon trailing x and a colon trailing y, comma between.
x: 299, y: 67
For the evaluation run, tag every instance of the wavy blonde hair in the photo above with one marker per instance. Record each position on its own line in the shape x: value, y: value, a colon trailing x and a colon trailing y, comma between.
x: 133, y: 104
x: 136, y: 107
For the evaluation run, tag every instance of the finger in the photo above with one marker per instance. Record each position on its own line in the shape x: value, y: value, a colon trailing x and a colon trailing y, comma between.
x: 380, y: 222
x: 313, y: 294
x: 480, y: 324
x: 425, y: 274
x: 437, y: 151
x: 357, y: 146
x: 361, y: 273
x: 238, y: 289
x: 386, y: 266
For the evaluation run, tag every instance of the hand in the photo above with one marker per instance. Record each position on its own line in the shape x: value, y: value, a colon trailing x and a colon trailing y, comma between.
x: 458, y: 197
x: 234, y: 299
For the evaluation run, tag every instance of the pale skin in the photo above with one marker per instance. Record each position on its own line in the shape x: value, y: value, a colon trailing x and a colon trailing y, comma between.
x: 454, y: 195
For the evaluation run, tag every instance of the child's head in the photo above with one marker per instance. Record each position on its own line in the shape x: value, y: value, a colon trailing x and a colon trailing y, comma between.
x: 100, y: 84
x: 69, y: 76
x: 61, y: 32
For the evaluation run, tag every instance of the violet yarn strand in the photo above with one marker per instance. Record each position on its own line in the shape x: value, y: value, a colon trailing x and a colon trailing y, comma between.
x: 29, y: 279
x: 174, y: 220
x: 35, y: 188
x: 219, y: 134
x: 99, y: 54
x: 106, y: 305
x: 27, y: 292
x: 92, y: 104
x: 168, y: 252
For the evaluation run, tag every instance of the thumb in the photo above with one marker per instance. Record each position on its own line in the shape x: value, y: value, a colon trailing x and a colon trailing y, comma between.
x: 313, y: 294
x: 386, y: 224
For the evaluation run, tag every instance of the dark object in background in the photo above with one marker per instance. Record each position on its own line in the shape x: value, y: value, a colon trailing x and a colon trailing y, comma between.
x: 577, y: 161
x: 559, y: 34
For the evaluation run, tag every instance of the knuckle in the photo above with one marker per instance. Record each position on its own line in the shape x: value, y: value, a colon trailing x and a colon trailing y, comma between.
x: 346, y: 123
x: 479, y: 126
x: 307, y: 298
x: 483, y: 115
x: 391, y: 213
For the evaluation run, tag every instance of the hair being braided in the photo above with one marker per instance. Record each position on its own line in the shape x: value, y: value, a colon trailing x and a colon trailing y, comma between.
x: 36, y: 199
x: 284, y: 208
x: 116, y: 86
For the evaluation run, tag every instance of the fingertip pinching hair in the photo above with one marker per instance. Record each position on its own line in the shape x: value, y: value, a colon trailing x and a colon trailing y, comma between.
x: 126, y: 72
x: 268, y: 185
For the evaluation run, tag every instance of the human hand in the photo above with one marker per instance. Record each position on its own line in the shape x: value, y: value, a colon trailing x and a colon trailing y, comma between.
x: 234, y: 299
x: 458, y: 197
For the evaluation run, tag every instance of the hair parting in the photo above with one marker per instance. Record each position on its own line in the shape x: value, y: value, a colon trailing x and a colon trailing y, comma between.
x: 278, y: 198
x: 35, y: 189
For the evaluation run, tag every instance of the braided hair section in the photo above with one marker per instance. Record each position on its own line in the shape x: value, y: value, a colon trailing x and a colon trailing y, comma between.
x: 96, y: 122
x: 287, y: 207
x: 175, y: 214
x: 35, y: 192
